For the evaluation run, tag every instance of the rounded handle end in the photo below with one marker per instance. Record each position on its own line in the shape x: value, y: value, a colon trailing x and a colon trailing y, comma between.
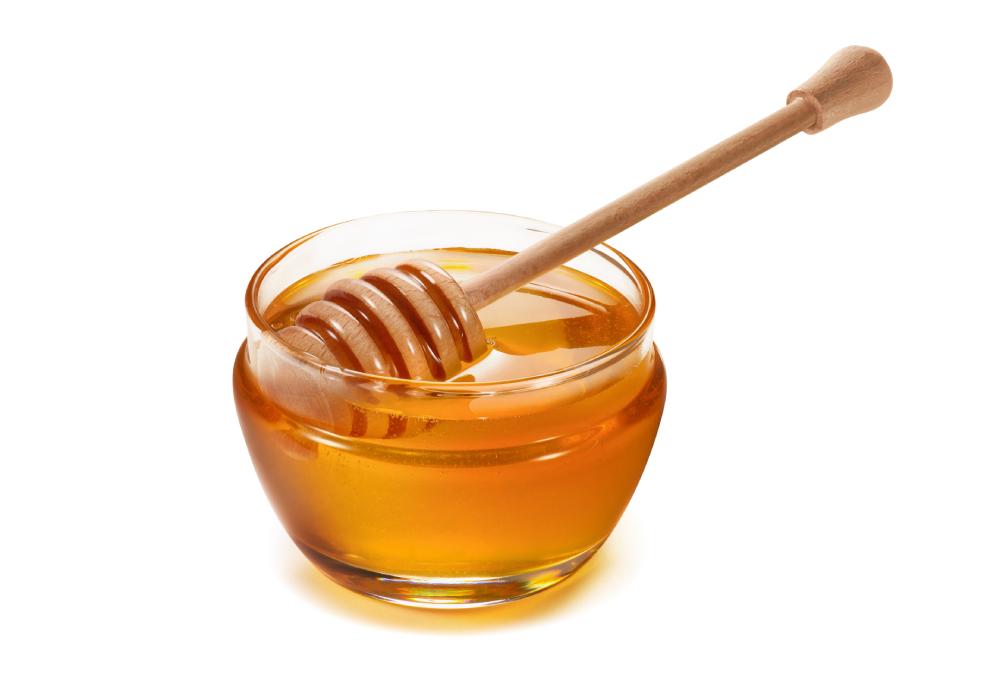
x: 853, y: 81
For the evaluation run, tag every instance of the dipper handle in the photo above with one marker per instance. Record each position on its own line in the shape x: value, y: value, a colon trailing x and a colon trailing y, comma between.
x: 853, y: 81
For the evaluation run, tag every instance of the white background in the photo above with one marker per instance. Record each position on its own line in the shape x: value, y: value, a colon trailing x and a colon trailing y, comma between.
x: 821, y: 507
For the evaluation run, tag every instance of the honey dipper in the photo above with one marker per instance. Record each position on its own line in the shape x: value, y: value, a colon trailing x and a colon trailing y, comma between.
x: 415, y: 321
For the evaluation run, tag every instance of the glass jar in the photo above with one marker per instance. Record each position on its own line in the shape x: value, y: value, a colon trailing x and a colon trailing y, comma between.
x: 446, y: 494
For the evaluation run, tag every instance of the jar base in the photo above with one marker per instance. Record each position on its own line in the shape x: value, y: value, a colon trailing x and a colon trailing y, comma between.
x: 445, y: 593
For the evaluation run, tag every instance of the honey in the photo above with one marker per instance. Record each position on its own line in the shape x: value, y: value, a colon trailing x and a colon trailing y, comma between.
x: 487, y: 487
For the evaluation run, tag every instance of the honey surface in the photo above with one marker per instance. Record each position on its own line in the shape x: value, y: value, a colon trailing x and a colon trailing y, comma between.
x: 481, y: 487
x: 564, y: 319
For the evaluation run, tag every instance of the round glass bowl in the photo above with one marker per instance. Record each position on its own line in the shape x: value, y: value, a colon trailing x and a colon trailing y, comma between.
x: 446, y: 494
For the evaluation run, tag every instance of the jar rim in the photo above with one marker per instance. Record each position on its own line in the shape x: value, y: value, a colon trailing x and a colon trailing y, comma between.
x: 463, y: 388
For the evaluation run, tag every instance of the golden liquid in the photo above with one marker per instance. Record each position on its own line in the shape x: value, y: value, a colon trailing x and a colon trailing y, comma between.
x: 477, y: 487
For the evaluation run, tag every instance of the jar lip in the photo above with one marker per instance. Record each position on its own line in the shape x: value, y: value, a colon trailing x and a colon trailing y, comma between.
x: 457, y: 388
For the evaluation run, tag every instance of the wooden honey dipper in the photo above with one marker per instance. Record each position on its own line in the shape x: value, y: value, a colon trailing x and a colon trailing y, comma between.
x: 415, y: 321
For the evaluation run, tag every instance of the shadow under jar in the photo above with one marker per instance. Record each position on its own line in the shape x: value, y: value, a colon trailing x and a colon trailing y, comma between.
x: 483, y: 489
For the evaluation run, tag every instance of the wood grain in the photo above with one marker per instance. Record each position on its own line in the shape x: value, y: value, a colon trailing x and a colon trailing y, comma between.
x: 853, y: 81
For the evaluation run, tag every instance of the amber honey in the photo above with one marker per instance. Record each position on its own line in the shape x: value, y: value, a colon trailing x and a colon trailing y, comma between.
x: 491, y: 486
